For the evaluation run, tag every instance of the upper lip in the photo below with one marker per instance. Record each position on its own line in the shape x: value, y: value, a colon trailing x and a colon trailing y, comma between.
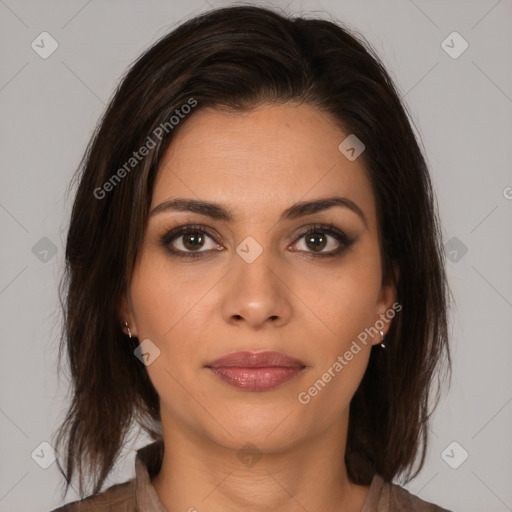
x: 246, y: 359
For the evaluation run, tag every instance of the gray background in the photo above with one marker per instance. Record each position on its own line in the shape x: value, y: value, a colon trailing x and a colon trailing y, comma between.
x: 462, y: 110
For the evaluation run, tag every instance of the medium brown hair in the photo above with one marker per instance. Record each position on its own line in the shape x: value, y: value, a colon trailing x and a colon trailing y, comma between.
x: 237, y: 58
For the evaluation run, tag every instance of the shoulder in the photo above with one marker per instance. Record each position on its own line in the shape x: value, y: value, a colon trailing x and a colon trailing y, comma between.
x: 403, y: 500
x: 121, y: 496
x: 390, y: 497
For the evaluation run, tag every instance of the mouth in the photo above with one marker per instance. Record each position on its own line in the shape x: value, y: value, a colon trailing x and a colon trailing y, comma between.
x: 259, y: 371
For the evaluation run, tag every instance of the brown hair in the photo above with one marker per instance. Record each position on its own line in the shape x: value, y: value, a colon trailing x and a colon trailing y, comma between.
x: 237, y: 58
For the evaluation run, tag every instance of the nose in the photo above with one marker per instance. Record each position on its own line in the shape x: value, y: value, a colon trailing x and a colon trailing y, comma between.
x: 256, y: 294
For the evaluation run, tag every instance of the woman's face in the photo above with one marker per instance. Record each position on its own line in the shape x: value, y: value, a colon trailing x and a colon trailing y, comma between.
x: 258, y: 281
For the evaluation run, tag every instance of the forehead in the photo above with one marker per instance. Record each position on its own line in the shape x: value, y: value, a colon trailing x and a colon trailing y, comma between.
x: 261, y: 160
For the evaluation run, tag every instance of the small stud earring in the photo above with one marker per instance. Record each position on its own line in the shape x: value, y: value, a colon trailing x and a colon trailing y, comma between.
x: 129, y: 332
x: 382, y: 339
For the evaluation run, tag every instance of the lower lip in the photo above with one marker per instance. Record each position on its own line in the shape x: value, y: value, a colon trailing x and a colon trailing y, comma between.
x: 256, y: 379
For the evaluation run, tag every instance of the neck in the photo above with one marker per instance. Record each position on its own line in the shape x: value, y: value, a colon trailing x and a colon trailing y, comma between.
x: 198, y: 474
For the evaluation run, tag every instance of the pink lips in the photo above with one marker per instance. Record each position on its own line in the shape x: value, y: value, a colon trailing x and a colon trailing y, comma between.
x: 255, y: 371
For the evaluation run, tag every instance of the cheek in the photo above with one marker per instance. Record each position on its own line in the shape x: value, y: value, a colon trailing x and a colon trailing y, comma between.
x: 346, y: 308
x: 344, y: 301
x: 165, y: 311
x: 162, y: 299
x: 158, y: 305
x: 169, y: 304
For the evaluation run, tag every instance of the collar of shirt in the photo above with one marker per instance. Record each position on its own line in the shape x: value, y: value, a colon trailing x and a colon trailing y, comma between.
x: 382, y: 496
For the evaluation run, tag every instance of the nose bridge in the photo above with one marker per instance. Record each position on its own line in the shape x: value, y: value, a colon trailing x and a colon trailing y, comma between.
x: 256, y: 292
x: 253, y: 269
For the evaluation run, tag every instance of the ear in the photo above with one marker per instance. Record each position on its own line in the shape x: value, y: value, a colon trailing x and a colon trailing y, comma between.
x: 125, y: 315
x: 386, y: 306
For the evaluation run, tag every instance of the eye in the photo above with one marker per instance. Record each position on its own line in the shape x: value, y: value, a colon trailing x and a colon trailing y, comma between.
x: 189, y: 241
x: 192, y: 241
x: 316, y: 239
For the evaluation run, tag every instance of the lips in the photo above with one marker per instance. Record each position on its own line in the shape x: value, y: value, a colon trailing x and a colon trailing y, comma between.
x: 256, y: 359
x: 256, y: 371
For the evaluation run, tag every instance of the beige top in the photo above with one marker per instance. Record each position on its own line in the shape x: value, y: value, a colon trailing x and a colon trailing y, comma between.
x: 139, y: 495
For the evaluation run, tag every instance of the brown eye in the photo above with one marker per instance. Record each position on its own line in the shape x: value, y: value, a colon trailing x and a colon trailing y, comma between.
x: 316, y: 241
x: 323, y: 241
x: 193, y: 240
x: 189, y: 241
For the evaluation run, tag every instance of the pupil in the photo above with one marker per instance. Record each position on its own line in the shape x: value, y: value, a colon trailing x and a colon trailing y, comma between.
x: 315, y: 246
x: 196, y: 239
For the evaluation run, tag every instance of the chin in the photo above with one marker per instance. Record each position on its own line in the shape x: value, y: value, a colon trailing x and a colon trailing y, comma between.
x: 268, y: 427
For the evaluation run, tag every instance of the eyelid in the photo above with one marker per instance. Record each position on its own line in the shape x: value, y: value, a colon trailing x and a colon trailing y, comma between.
x: 339, y: 235
x: 180, y: 229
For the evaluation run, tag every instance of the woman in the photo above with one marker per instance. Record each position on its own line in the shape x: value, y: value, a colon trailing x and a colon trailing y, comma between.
x: 255, y: 276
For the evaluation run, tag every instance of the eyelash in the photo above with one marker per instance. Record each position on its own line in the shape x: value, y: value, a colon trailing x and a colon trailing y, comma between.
x: 327, y: 229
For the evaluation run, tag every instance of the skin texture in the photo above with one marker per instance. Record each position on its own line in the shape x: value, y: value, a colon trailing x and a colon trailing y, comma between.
x: 289, y: 300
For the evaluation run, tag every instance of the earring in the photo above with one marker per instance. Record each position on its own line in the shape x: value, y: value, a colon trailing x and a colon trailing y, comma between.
x: 382, y: 339
x: 129, y: 332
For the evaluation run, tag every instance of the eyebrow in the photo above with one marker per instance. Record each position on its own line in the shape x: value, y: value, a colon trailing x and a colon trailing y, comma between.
x: 219, y: 212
